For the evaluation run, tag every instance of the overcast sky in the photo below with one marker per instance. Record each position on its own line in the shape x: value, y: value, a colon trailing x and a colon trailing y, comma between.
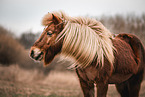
x: 25, y: 15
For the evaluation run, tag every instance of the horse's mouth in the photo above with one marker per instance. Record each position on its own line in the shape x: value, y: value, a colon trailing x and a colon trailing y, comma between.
x: 36, y: 54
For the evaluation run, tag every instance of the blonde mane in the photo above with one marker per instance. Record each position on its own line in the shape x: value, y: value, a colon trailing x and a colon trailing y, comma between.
x: 85, y: 40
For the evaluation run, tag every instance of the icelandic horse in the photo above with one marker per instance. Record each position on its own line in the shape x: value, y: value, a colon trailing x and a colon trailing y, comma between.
x: 98, y: 56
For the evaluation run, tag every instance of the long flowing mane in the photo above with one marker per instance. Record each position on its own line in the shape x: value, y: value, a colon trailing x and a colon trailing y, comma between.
x: 85, y: 39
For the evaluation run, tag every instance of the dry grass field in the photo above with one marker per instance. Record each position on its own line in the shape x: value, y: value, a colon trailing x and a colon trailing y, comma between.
x: 17, y: 82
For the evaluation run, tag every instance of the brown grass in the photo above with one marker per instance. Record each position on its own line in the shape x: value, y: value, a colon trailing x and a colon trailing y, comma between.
x: 14, y: 79
x: 18, y: 82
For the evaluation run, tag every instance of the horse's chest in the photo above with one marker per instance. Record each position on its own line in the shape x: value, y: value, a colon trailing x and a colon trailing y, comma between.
x: 91, y: 74
x: 88, y: 74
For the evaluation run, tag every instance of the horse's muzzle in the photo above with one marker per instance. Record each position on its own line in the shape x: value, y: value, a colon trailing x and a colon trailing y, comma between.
x: 36, y: 54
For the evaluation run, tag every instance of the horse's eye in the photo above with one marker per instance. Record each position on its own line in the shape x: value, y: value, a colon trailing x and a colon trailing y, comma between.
x: 49, y: 33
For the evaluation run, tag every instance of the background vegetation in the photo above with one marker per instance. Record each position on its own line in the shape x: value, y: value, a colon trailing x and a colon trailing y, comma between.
x: 20, y: 76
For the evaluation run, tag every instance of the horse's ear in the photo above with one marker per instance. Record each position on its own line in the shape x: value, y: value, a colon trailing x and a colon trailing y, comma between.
x: 56, y: 19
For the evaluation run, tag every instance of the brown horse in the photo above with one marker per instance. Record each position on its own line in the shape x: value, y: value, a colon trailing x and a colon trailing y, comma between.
x: 98, y: 56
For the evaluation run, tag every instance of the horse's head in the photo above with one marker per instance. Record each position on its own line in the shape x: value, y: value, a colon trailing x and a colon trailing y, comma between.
x: 46, y: 47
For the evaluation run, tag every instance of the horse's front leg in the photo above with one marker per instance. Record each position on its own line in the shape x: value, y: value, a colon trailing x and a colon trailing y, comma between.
x: 88, y: 88
x: 102, y: 89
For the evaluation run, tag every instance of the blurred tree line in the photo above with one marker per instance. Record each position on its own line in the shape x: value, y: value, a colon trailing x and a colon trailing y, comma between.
x: 126, y: 24
x: 27, y: 39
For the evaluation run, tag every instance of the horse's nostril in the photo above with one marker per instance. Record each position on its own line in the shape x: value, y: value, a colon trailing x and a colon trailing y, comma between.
x: 32, y: 53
